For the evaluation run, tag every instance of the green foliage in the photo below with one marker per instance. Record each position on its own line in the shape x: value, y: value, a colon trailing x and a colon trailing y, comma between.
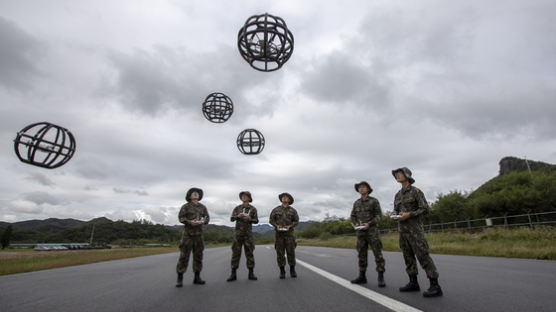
x: 6, y: 236
x: 449, y: 207
x: 511, y: 194
x: 325, y: 236
x: 337, y: 227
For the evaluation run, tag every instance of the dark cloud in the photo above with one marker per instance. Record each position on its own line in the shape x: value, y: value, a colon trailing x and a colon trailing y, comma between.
x: 40, y: 198
x: 339, y: 78
x: 126, y: 191
x: 41, y: 179
x: 467, y: 67
x: 152, y: 81
x: 19, y: 56
x: 93, y: 168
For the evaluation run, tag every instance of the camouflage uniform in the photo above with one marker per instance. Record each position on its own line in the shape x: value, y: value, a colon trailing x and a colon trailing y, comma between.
x: 368, y: 211
x: 244, y: 235
x: 284, y: 241
x: 412, y: 235
x: 192, y: 239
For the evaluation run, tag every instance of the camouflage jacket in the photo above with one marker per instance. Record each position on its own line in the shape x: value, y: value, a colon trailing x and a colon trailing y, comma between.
x: 243, y: 226
x: 281, y: 216
x: 191, y: 212
x: 366, y: 211
x: 411, y: 200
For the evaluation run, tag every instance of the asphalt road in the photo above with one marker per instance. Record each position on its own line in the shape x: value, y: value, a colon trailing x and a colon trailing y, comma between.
x: 148, y: 284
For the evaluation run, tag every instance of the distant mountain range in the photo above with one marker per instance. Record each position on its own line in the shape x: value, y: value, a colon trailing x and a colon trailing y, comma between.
x: 108, y: 231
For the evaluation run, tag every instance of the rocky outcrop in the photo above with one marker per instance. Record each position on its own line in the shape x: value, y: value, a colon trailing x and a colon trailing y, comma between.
x: 514, y: 164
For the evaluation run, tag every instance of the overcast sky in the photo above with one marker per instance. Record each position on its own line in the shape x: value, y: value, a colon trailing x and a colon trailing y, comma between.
x: 446, y: 88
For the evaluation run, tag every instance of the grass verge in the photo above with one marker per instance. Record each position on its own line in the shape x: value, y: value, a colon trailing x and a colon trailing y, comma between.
x: 20, y: 261
x: 539, y: 243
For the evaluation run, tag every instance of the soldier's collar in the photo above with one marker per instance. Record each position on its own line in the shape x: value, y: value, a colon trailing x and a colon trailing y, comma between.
x: 409, y: 187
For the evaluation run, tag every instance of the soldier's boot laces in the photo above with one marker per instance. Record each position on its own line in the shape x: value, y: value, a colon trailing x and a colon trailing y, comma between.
x: 361, y: 279
x: 282, y: 273
x: 198, y: 279
x: 434, y: 289
x: 179, y: 283
x: 381, y: 282
x: 252, y: 276
x: 292, y: 271
x: 413, y: 285
x: 233, y: 276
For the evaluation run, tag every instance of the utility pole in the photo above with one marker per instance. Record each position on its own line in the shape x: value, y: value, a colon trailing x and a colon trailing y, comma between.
x: 527, y: 163
x: 92, y: 234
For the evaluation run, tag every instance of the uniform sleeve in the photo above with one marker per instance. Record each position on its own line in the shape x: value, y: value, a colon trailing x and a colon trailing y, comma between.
x: 422, y: 205
x: 233, y: 217
x: 206, y: 215
x: 181, y: 215
x: 377, y: 213
x: 353, y: 215
x: 254, y: 216
x: 295, y: 220
x: 396, y: 204
x: 272, y: 218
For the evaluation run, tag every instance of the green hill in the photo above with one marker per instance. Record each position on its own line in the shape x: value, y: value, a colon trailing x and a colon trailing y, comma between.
x: 119, y: 232
x: 516, y: 190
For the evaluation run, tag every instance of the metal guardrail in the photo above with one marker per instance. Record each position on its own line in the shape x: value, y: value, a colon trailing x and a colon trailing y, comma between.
x: 528, y: 219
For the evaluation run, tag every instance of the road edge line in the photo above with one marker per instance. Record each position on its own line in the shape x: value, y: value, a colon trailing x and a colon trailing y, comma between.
x: 383, y: 300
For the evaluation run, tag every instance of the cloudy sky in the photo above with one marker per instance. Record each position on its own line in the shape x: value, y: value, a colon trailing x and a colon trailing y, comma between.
x: 444, y: 88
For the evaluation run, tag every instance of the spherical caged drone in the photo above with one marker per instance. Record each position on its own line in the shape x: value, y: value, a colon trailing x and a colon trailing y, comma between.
x: 218, y: 107
x: 44, y: 145
x: 265, y: 42
x: 250, y: 142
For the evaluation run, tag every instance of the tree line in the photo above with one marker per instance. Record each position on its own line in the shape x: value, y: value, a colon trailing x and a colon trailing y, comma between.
x: 512, y: 194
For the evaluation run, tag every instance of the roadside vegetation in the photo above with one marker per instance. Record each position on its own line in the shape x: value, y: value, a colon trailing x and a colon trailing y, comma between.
x: 537, y: 243
x: 19, y: 260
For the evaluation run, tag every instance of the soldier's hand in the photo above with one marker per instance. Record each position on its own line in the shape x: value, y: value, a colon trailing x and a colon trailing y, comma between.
x: 405, y: 216
x: 248, y: 218
x: 192, y: 223
x: 366, y: 226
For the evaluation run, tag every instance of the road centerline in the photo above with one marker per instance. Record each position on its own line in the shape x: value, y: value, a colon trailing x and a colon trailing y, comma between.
x: 383, y: 300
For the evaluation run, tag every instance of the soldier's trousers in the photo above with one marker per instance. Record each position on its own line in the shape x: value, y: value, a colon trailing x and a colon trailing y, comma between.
x: 364, y: 239
x: 414, y: 244
x: 248, y: 245
x: 188, y: 244
x: 285, y: 244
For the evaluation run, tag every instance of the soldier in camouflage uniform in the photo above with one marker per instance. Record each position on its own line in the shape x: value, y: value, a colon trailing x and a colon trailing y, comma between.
x: 284, y: 218
x: 366, y: 212
x: 411, y: 205
x: 193, y: 215
x: 244, y: 215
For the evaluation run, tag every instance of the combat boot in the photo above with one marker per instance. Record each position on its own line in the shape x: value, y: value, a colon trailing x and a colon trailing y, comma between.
x: 413, y: 285
x: 361, y: 279
x: 282, y: 272
x: 233, y: 276
x: 434, y: 289
x: 292, y: 271
x: 179, y: 283
x: 381, y: 282
x: 252, y: 276
x: 198, y: 279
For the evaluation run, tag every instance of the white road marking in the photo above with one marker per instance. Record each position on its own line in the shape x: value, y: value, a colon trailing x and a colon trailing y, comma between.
x: 388, y: 302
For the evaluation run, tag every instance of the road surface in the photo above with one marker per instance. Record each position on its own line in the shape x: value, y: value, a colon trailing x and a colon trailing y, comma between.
x: 148, y: 284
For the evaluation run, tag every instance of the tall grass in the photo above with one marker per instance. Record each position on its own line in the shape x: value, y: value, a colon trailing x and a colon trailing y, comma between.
x: 538, y: 243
